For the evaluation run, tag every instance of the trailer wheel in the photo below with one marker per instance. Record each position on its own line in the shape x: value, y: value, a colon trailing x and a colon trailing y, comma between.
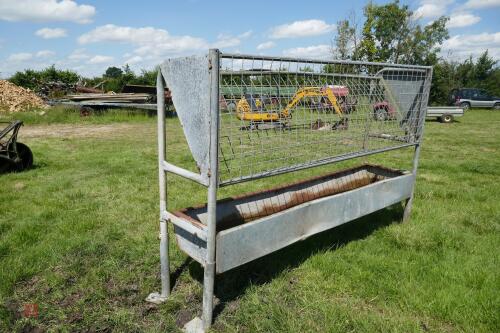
x: 446, y: 118
x: 231, y: 106
x: 86, y: 111
x: 465, y: 106
x: 380, y: 114
x: 25, y: 157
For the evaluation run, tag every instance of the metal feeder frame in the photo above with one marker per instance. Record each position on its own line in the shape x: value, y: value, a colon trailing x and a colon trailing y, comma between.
x: 200, y: 114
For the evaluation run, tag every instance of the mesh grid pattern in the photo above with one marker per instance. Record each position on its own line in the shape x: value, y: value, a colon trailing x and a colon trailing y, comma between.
x: 279, y: 114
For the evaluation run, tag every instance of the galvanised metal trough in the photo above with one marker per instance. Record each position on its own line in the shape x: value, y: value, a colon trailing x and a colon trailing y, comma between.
x: 272, y: 131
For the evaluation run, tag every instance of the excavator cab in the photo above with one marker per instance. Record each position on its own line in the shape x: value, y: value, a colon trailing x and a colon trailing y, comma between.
x: 253, y: 108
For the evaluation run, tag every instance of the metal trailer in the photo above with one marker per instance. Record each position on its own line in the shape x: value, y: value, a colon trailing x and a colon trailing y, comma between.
x: 219, y: 150
x: 445, y: 114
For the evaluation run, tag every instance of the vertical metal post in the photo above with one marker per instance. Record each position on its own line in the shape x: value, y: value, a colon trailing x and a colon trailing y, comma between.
x: 164, y: 259
x: 409, y: 201
x: 209, y: 273
x: 419, y: 135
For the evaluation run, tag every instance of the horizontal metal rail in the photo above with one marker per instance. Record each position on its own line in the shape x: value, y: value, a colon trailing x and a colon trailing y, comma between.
x: 177, y: 221
x: 312, y: 164
x: 184, y: 173
x: 250, y: 73
x: 322, y: 61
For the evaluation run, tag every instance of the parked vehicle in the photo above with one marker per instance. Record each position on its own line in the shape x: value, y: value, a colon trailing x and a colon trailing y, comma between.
x: 468, y: 98
x: 444, y: 114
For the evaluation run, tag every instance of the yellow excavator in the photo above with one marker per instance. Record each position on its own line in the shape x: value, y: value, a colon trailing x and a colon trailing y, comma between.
x: 253, y: 109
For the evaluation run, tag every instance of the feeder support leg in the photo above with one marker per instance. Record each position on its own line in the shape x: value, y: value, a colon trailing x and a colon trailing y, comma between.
x: 209, y: 274
x: 419, y: 135
x: 164, y: 258
x: 409, y: 201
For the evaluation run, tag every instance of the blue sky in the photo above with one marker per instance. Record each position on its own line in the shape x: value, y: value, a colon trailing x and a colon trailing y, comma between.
x: 88, y: 36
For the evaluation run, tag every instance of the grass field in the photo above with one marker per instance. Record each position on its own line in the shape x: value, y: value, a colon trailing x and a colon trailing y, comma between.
x: 79, y: 237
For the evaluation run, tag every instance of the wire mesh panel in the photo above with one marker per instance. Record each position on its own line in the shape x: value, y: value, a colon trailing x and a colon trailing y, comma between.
x: 281, y: 114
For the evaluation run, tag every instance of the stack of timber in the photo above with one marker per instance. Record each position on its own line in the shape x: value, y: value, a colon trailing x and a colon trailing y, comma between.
x: 111, y: 98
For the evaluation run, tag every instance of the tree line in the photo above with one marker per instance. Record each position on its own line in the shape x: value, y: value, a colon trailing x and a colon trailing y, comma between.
x: 113, y: 79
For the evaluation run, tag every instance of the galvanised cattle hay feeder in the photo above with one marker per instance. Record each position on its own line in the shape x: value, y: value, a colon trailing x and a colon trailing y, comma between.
x: 243, y: 117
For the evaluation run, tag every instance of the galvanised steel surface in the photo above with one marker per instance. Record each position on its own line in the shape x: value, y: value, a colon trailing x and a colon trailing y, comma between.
x: 252, y: 226
x: 243, y: 117
x: 190, y: 79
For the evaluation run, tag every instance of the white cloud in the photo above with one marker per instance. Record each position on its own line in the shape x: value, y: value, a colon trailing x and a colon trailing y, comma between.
x: 152, y: 45
x: 321, y: 51
x: 149, y: 40
x: 463, y: 46
x: 46, y: 11
x: 431, y: 9
x: 246, y: 34
x: 134, y: 60
x: 225, y: 41
x: 20, y: 57
x: 266, y: 45
x: 45, y: 54
x: 301, y: 29
x: 477, y: 4
x: 462, y: 20
x: 100, y: 59
x: 78, y: 54
x: 48, y: 33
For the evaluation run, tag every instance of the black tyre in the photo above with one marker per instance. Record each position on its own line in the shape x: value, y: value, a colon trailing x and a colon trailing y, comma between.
x: 446, y: 118
x: 25, y: 157
x: 6, y: 164
x: 380, y: 114
x: 496, y: 106
x: 86, y: 111
x: 231, y: 106
x: 465, y: 105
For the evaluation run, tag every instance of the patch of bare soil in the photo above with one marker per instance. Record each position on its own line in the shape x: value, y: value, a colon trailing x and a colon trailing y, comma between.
x: 86, y: 131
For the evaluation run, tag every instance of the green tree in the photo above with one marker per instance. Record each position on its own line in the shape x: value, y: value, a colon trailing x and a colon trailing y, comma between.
x: 422, y: 44
x: 344, y: 40
x: 391, y: 34
x: 113, y: 72
x: 485, y: 65
x: 367, y: 50
x: 36, y: 80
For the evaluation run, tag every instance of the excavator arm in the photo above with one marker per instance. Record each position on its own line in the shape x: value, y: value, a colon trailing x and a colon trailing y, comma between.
x: 311, y: 92
x: 244, y: 110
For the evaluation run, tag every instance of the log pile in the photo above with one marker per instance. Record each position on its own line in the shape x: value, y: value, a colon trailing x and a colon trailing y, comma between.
x: 14, y: 98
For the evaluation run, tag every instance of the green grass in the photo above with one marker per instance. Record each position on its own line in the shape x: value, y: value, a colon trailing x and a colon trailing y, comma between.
x: 79, y: 237
x: 69, y: 115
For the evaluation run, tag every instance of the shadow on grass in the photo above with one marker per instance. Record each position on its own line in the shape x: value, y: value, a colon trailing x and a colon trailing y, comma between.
x: 232, y: 284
